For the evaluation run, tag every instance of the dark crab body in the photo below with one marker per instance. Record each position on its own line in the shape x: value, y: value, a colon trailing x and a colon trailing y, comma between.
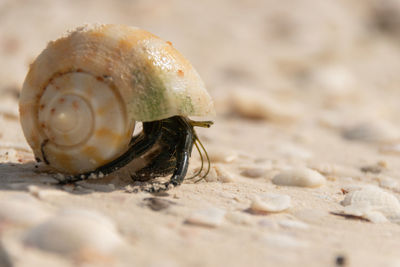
x: 85, y: 92
x: 173, y: 138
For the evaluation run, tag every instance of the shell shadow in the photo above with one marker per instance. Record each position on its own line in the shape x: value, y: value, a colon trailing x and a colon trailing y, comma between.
x: 20, y: 176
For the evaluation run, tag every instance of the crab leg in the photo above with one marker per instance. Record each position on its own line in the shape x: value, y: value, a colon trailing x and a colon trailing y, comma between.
x: 183, y: 152
x: 151, y: 133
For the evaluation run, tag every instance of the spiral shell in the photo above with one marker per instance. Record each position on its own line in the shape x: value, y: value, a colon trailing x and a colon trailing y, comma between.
x: 85, y: 91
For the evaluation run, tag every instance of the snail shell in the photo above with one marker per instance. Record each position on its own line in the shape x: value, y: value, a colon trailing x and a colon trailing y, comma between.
x: 85, y: 91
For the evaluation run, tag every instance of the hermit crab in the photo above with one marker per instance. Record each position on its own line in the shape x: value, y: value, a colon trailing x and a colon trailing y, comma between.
x: 84, y: 94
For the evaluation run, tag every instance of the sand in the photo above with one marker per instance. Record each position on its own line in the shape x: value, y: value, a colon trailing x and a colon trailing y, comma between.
x: 297, y: 85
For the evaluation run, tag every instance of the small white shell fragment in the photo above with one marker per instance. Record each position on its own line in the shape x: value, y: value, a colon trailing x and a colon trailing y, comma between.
x: 253, y: 172
x: 336, y: 81
x: 212, y: 176
x: 220, y: 154
x: 220, y: 174
x: 372, y: 203
x: 270, y: 203
x: 210, y: 217
x: 300, y: 176
x: 23, y: 211
x: 376, y: 131
x: 73, y: 231
x: 261, y: 106
x: 363, y: 210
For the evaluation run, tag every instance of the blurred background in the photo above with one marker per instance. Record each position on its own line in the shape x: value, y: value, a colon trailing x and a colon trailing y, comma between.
x: 321, y: 53
x: 334, y: 63
x: 295, y: 82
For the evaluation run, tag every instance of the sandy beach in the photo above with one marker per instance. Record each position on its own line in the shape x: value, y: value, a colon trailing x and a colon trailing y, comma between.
x: 305, y: 147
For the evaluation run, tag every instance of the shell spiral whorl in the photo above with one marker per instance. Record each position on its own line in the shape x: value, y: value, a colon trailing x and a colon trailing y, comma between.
x: 83, y: 129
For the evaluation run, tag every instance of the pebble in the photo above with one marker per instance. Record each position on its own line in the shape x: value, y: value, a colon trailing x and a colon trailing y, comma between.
x: 375, y: 169
x: 257, y: 105
x: 157, y: 204
x: 23, y: 211
x: 219, y: 174
x: 267, y: 203
x: 336, y: 81
x: 253, y: 172
x: 210, y: 217
x: 220, y: 154
x: 377, y: 131
x: 73, y: 231
x: 302, y: 177
x: 373, y: 204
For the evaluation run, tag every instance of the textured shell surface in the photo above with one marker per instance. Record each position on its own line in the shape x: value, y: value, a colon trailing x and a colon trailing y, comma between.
x: 370, y: 200
x: 85, y: 91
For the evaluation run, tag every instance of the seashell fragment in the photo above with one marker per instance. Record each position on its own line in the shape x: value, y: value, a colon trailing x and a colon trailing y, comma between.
x: 377, y: 131
x: 255, y: 105
x: 270, y: 203
x: 211, y: 217
x: 301, y: 176
x: 219, y: 154
x: 74, y: 231
x: 253, y: 172
x: 372, y: 203
x: 220, y: 174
